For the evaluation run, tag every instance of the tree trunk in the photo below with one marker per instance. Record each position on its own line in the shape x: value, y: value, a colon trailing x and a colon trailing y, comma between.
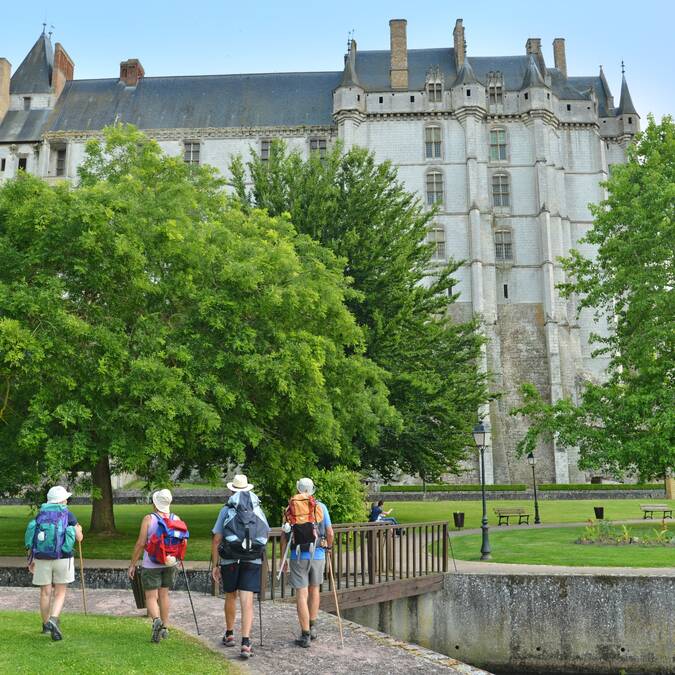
x: 102, y: 515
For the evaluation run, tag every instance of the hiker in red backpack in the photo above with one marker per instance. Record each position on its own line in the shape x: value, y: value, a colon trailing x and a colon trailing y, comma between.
x: 308, y: 527
x: 162, y: 540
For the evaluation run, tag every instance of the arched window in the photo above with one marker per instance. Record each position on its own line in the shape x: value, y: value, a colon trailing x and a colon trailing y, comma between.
x: 434, y: 188
x: 500, y: 189
x: 432, y: 142
x: 503, y: 245
x: 497, y: 145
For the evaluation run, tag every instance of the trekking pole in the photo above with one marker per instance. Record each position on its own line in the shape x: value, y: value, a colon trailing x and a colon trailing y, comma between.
x: 187, y: 585
x: 452, y: 553
x: 84, y: 594
x: 283, y: 558
x: 337, y: 606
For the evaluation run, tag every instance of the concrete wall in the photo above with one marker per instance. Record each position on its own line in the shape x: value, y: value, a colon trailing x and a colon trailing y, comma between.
x: 540, y: 624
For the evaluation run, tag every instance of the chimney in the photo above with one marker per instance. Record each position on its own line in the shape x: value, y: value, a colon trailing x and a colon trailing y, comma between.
x: 130, y: 72
x: 398, y: 72
x: 5, y: 76
x: 559, y: 55
x: 533, y: 46
x: 63, y: 70
x: 459, y: 44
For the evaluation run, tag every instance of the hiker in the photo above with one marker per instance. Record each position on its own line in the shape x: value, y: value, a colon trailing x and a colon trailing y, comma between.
x: 379, y: 515
x: 50, y: 538
x: 162, y: 549
x: 308, y: 524
x: 240, y: 534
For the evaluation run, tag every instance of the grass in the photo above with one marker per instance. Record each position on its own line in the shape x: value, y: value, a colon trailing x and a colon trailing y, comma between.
x: 101, y: 645
x: 201, y: 517
x: 558, y: 547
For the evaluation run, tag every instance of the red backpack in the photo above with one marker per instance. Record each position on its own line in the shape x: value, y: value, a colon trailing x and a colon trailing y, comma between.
x: 170, y: 538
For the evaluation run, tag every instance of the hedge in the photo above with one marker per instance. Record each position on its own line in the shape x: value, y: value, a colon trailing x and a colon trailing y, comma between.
x: 441, y: 487
x: 548, y: 487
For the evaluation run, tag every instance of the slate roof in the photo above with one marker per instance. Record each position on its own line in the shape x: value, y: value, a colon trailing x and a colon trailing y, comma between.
x: 23, y: 125
x: 532, y: 77
x: 34, y: 75
x: 626, y: 102
x: 271, y: 99
x: 595, y: 83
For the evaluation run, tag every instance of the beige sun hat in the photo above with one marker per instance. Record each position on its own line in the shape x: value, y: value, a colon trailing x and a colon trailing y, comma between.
x: 240, y: 484
x: 162, y: 500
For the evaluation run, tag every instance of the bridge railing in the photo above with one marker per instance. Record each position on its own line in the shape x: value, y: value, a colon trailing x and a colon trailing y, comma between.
x: 368, y: 554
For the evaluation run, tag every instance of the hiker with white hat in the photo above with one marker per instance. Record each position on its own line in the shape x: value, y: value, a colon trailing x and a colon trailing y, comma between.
x: 50, y: 538
x: 239, y: 537
x: 158, y: 574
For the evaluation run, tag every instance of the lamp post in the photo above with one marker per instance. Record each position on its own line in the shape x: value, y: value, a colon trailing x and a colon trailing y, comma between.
x: 532, y: 460
x: 479, y: 434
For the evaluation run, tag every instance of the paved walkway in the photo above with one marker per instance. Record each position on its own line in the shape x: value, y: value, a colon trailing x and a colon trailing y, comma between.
x: 365, y: 652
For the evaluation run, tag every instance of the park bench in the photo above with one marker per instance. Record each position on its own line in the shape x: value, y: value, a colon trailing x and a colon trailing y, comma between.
x: 650, y: 509
x: 505, y: 514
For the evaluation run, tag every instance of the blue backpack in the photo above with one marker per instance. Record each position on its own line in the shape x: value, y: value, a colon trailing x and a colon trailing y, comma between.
x: 48, y: 535
x: 245, y: 529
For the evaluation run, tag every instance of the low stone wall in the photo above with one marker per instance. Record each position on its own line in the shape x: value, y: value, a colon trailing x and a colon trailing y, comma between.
x: 544, y: 623
x: 507, y: 494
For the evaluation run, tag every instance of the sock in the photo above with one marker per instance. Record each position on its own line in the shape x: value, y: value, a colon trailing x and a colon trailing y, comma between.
x: 228, y: 633
x: 312, y: 622
x: 305, y: 632
x: 246, y: 641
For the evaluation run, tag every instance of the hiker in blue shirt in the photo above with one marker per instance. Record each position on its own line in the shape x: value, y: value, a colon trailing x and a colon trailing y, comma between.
x: 307, y: 566
x: 50, y: 538
x: 237, y: 561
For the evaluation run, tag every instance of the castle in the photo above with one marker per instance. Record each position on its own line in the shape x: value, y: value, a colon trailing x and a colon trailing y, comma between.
x: 509, y: 150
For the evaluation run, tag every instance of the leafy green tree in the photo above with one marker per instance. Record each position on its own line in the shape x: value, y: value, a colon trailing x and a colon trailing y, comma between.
x: 361, y: 211
x: 626, y: 424
x: 148, y: 324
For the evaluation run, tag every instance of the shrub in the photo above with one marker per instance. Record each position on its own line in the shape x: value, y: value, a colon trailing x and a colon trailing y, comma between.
x: 343, y: 492
x: 444, y: 487
x: 548, y: 487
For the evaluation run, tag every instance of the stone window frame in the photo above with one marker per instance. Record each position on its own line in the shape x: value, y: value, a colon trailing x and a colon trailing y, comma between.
x: 436, y: 235
x: 503, y: 241
x: 428, y: 127
x: 501, y: 207
x: 436, y: 183
x: 506, y: 145
x: 433, y: 85
x: 495, y: 89
x: 266, y: 148
x: 27, y: 102
x: 192, y: 152
x: 318, y: 144
x: 58, y: 163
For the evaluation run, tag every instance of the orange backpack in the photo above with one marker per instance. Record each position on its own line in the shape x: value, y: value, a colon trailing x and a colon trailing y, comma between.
x: 303, y: 515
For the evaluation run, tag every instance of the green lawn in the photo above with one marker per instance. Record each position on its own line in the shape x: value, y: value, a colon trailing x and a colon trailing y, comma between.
x: 100, y: 645
x: 201, y: 517
x: 558, y: 547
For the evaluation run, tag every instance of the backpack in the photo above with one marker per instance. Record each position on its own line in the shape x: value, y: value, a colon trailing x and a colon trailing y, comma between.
x: 48, y: 535
x: 245, y: 529
x: 170, y: 538
x: 303, y: 514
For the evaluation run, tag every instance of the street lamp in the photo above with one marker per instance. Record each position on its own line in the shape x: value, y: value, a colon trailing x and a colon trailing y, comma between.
x: 479, y: 435
x: 532, y: 460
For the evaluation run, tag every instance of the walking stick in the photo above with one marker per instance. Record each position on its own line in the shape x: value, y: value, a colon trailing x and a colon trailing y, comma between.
x: 283, y: 559
x: 337, y: 606
x: 187, y: 585
x: 260, y: 618
x: 84, y: 594
x: 454, y: 562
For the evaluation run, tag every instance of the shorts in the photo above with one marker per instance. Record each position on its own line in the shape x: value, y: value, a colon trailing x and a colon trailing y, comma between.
x: 241, y: 576
x: 307, y: 572
x: 158, y: 577
x: 47, y: 572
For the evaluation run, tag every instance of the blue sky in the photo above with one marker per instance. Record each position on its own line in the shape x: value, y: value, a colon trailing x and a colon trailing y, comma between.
x: 200, y: 37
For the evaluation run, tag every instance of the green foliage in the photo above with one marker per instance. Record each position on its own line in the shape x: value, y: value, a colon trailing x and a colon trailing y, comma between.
x: 147, y: 320
x: 445, y: 487
x: 626, y: 424
x: 343, y: 492
x: 602, y: 487
x: 605, y: 533
x: 361, y: 211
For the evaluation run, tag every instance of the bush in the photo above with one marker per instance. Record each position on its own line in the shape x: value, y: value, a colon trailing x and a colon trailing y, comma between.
x: 443, y: 487
x: 547, y: 487
x: 343, y: 492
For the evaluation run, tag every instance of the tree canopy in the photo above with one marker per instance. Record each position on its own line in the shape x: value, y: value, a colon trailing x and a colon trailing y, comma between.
x: 362, y: 212
x: 627, y: 423
x: 148, y: 323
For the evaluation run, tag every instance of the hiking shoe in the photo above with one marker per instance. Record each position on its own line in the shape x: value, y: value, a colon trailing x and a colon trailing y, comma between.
x: 313, y: 633
x: 45, y: 629
x: 304, y: 640
x: 164, y: 633
x: 246, y: 651
x: 53, y: 626
x: 228, y: 640
x: 156, y: 630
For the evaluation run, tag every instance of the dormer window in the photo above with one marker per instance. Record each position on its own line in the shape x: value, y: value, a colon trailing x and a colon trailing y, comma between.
x: 495, y: 88
x: 434, y: 85
x: 26, y: 102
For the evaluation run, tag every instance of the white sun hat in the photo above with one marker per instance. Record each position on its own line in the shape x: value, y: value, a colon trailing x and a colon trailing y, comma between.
x: 162, y: 500
x: 57, y: 494
x: 240, y: 484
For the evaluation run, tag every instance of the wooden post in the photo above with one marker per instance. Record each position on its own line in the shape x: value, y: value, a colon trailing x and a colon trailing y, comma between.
x: 372, y: 556
x: 445, y: 547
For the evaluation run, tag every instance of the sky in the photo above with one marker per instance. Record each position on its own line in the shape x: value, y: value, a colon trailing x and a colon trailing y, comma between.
x: 202, y: 37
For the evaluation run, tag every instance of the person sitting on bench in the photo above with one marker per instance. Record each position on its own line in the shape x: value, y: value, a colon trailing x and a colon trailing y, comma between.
x: 379, y: 515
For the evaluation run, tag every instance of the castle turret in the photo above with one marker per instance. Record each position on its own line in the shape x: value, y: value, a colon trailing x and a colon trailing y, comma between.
x: 535, y: 93
x: 467, y: 90
x: 349, y: 99
x: 628, y: 116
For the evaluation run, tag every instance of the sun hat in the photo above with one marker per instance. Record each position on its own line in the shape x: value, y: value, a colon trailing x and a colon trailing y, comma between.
x: 305, y: 485
x: 162, y: 500
x: 57, y: 494
x: 240, y: 484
